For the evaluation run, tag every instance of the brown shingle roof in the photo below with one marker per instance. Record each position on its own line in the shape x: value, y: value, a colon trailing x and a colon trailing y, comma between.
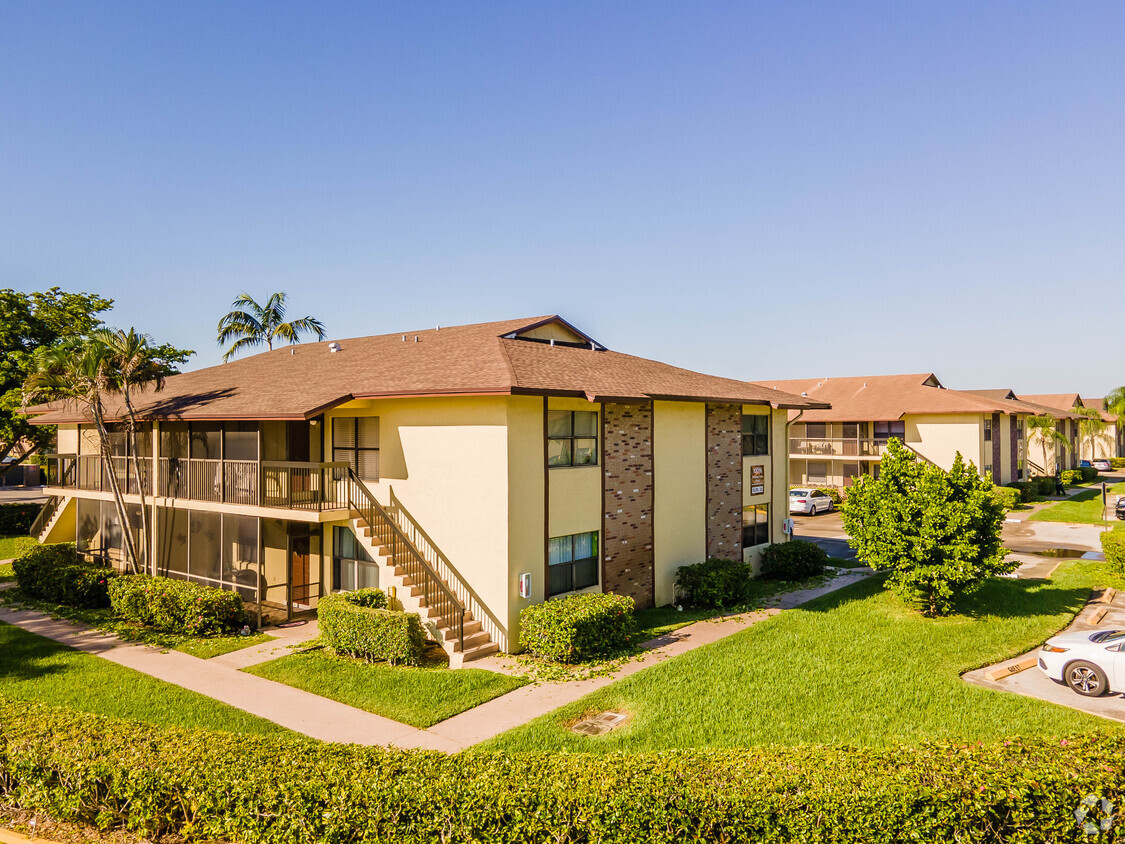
x: 1061, y: 401
x: 301, y: 381
x: 885, y: 398
x: 1099, y: 405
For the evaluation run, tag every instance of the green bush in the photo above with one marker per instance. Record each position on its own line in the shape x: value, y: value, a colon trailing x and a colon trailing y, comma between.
x: 16, y: 519
x: 1044, y: 485
x: 1117, y: 462
x: 364, y: 630
x: 793, y: 560
x: 1088, y: 473
x: 1113, y: 546
x: 578, y: 627
x: 177, y: 606
x: 204, y: 786
x: 715, y: 584
x: 1073, y: 477
x: 374, y: 598
x: 1026, y: 490
x: 833, y: 492
x: 1007, y: 497
x: 55, y: 573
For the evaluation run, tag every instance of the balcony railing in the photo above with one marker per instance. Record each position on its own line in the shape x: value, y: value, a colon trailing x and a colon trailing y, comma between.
x: 269, y: 483
x: 837, y: 447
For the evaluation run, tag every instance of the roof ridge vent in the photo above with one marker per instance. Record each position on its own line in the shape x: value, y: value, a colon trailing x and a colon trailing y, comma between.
x: 552, y: 342
x: 333, y: 347
x: 415, y: 338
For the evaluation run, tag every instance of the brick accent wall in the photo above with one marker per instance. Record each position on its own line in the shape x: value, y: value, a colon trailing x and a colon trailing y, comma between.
x: 724, y: 481
x: 1015, y: 433
x: 628, y: 563
x: 996, y: 448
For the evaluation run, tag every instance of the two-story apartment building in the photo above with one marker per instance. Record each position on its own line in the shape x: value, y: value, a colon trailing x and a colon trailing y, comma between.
x: 833, y: 446
x: 1110, y: 442
x: 476, y: 469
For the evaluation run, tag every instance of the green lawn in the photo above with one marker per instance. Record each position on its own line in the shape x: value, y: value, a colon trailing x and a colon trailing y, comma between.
x: 855, y: 667
x: 1085, y: 507
x: 107, y: 621
x: 420, y: 697
x: 10, y: 547
x: 38, y: 669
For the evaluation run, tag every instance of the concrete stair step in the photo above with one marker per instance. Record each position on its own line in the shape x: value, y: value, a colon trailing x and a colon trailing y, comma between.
x: 458, y: 660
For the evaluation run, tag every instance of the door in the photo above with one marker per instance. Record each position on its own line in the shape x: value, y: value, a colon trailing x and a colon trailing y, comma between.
x: 300, y: 572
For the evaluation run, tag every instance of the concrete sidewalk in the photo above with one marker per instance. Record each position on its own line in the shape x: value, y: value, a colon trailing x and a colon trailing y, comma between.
x: 327, y: 720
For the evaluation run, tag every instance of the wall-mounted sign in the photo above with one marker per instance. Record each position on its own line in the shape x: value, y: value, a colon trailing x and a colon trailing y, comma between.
x: 757, y: 479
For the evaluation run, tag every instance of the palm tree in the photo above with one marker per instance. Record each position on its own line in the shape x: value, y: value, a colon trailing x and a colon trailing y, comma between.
x: 79, y: 373
x: 134, y: 366
x: 255, y: 325
x: 1045, y: 429
x: 1090, y: 427
x: 1115, y: 401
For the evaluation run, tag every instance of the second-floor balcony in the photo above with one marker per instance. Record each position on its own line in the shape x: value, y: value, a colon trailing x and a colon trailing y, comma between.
x: 836, y: 447
x: 267, y: 483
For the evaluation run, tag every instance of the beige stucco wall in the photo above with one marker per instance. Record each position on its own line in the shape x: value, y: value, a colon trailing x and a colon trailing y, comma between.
x: 938, y: 437
x: 65, y: 528
x: 776, y: 493
x: 67, y: 439
x: 526, y: 508
x: 574, y: 492
x: 680, y: 491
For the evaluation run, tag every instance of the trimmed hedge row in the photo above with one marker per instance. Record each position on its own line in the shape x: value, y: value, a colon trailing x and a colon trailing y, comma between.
x: 55, y: 573
x: 16, y: 519
x: 1044, y: 484
x: 177, y: 606
x: 793, y: 560
x: 356, y: 624
x: 715, y: 583
x: 1026, y: 489
x: 1006, y: 496
x: 226, y: 787
x: 578, y: 627
x: 1073, y: 477
x: 1113, y: 546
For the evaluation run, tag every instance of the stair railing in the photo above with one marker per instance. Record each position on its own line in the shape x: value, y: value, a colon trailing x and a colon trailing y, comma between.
x: 437, y: 595
x: 44, y: 517
x: 441, y: 564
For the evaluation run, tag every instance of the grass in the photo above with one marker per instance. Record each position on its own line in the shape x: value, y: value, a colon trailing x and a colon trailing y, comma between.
x: 38, y: 669
x: 420, y: 696
x: 1085, y: 507
x: 106, y: 621
x: 855, y: 667
x: 10, y: 547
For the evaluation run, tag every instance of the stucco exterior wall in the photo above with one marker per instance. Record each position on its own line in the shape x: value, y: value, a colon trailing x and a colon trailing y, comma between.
x: 526, y: 509
x: 938, y: 437
x: 680, y: 481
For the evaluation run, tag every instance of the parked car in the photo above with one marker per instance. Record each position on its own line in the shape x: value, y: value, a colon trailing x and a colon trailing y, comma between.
x: 1103, y: 465
x: 809, y: 502
x: 1119, y: 508
x: 1083, y: 464
x: 1091, y: 662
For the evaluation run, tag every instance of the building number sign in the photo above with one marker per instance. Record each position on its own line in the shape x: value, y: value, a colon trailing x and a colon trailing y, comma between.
x: 757, y: 480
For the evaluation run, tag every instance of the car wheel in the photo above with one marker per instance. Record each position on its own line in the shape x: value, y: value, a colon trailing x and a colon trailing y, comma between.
x: 1086, y: 679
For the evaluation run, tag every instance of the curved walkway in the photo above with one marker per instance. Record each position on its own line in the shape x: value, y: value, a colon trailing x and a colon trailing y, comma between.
x: 328, y: 720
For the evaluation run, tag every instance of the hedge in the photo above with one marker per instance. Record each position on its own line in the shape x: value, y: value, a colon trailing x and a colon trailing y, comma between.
x: 715, y: 584
x: 16, y: 519
x: 354, y: 626
x: 1117, y: 462
x: 155, y: 781
x: 177, y: 606
x: 55, y: 573
x: 1088, y: 473
x: 1044, y: 484
x: 578, y: 627
x: 793, y: 560
x: 1113, y: 546
x: 1007, y: 497
x: 1026, y: 490
x: 1073, y: 477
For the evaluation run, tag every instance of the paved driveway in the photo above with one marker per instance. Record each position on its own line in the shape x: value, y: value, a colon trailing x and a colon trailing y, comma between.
x: 827, y: 531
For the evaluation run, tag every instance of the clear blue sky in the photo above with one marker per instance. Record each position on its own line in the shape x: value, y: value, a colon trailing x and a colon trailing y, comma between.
x: 759, y: 190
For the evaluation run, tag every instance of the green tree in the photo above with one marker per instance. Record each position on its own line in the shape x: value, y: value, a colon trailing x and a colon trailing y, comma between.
x: 252, y: 325
x: 1090, y: 427
x: 29, y: 321
x: 937, y: 532
x: 1115, y: 401
x: 1045, y: 431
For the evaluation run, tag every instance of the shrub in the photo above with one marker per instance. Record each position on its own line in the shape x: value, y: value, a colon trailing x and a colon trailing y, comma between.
x: 1026, y: 490
x: 177, y: 606
x: 793, y: 560
x: 1113, y: 546
x: 578, y: 627
x: 1117, y: 462
x: 833, y: 492
x: 16, y: 519
x: 1044, y: 485
x: 1088, y: 473
x: 361, y: 629
x: 1073, y: 477
x: 374, y: 598
x: 1007, y: 497
x: 206, y: 786
x: 55, y: 573
x: 716, y: 583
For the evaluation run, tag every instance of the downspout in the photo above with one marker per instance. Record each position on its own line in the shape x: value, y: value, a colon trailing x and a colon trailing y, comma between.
x: 773, y: 466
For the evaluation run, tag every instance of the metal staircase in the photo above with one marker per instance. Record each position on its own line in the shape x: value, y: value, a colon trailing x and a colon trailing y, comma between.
x: 418, y: 587
x: 41, y: 527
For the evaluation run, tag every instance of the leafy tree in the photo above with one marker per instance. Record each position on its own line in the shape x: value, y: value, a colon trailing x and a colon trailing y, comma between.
x: 1045, y: 431
x: 1115, y: 401
x: 937, y: 532
x: 255, y: 325
x: 1090, y: 427
x: 29, y: 321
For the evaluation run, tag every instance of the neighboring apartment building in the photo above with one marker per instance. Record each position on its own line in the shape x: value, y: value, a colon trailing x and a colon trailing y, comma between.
x: 477, y: 469
x: 832, y: 446
x: 1107, y: 443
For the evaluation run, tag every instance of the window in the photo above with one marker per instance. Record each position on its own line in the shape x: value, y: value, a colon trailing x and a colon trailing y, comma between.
x: 572, y: 562
x: 816, y: 473
x: 816, y: 430
x: 885, y: 430
x: 988, y: 430
x: 755, y: 435
x: 352, y: 566
x: 1019, y: 430
x: 850, y: 471
x: 355, y: 441
x: 755, y: 525
x: 572, y: 438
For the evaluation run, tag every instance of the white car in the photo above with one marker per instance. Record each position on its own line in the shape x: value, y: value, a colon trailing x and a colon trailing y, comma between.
x: 1103, y: 465
x: 1091, y: 662
x: 809, y: 501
